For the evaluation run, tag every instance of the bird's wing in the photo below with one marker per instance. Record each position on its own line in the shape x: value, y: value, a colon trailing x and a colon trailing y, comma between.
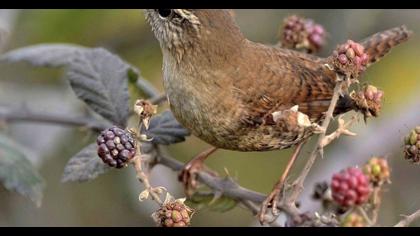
x: 285, y: 79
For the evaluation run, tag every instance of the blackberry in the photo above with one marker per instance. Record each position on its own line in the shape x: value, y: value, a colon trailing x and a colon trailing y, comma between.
x: 377, y: 170
x: 173, y: 214
x: 412, y: 146
x: 116, y: 147
x: 368, y: 101
x: 301, y: 33
x: 350, y: 59
x: 350, y: 187
x: 353, y: 220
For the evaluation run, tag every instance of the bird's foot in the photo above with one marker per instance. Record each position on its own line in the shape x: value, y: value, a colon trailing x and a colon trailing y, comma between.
x: 271, y: 201
x: 188, y: 175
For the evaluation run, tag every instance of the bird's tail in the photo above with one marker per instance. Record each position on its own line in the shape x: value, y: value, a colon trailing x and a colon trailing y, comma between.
x: 376, y: 46
x: 380, y: 43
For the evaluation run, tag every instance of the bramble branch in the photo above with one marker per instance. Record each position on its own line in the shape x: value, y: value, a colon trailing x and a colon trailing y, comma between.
x: 24, y: 114
x: 408, y: 219
x: 297, y: 186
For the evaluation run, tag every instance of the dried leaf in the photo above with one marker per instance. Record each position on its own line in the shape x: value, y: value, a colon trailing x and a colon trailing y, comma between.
x: 84, y: 166
x: 144, y: 195
x: 17, y: 173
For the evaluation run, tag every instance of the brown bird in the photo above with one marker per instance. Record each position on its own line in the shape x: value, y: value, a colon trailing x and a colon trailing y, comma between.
x: 241, y: 95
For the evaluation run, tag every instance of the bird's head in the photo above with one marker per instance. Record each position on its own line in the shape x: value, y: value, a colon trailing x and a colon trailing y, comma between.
x: 191, y: 30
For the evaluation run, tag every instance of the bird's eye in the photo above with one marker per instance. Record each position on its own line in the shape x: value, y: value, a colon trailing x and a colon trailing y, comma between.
x: 164, y: 13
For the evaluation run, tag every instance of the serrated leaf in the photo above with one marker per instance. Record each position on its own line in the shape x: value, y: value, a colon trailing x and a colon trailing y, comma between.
x: 99, y: 78
x: 165, y: 129
x: 207, y: 201
x: 49, y: 55
x: 17, y: 173
x: 84, y: 166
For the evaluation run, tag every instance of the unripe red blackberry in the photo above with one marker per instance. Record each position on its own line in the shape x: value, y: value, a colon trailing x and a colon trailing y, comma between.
x: 353, y: 220
x: 350, y: 187
x: 173, y: 214
x: 368, y: 101
x: 412, y: 146
x: 301, y: 33
x: 377, y: 170
x: 116, y: 147
x: 350, y: 59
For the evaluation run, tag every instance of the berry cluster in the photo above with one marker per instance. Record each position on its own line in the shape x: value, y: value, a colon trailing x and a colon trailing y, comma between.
x: 301, y: 33
x: 350, y: 187
x: 173, y: 214
x: 377, y: 170
x: 353, y: 220
x: 412, y: 145
x: 116, y: 147
x: 368, y: 101
x: 350, y: 59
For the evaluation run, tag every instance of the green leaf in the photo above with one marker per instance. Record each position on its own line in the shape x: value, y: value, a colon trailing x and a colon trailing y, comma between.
x: 165, y: 129
x: 17, y: 173
x: 208, y: 201
x: 48, y: 55
x: 99, y: 78
x: 84, y: 166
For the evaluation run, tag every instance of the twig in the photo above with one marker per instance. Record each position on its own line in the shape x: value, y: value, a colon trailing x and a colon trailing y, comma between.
x: 227, y: 186
x: 341, y: 130
x: 147, y: 88
x: 297, y: 186
x: 376, y: 204
x: 408, y: 219
x: 364, y: 215
x: 156, y: 100
x: 23, y: 114
x: 143, y: 178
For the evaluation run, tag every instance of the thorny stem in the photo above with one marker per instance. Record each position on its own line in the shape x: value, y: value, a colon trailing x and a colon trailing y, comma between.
x: 24, y: 114
x: 342, y: 130
x: 376, y: 199
x: 137, y: 162
x: 364, y: 215
x: 408, y: 219
x: 297, y: 186
x: 143, y: 178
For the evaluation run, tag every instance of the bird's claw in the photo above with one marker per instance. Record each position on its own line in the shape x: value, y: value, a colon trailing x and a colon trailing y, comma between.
x: 271, y: 201
x: 188, y: 177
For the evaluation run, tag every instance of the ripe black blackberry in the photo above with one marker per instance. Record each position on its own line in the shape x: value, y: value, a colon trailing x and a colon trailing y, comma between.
x: 116, y: 147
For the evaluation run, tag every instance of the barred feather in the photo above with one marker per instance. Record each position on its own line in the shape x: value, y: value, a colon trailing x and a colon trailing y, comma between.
x: 380, y: 43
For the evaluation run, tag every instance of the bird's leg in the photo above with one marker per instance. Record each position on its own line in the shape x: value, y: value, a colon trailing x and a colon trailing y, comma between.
x: 188, y: 174
x: 274, y: 197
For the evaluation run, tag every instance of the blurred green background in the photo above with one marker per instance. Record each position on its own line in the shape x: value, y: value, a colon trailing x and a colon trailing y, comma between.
x: 111, y: 199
